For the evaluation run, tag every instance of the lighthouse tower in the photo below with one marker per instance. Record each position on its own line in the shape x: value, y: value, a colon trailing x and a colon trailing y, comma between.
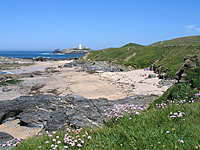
x: 79, y: 46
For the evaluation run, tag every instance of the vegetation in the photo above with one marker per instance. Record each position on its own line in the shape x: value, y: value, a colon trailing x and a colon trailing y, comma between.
x: 172, y: 125
x: 189, y: 40
x: 167, y: 58
x: 9, y: 82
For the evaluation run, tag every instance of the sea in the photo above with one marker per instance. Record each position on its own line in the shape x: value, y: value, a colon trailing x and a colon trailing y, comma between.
x: 35, y: 54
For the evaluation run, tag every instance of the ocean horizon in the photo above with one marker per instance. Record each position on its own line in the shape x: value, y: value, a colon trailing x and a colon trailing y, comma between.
x: 35, y: 54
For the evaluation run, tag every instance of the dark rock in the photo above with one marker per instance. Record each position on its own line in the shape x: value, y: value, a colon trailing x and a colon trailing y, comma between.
x: 5, y: 137
x: 94, y: 66
x: 51, y: 112
x: 152, y: 76
x: 57, y: 51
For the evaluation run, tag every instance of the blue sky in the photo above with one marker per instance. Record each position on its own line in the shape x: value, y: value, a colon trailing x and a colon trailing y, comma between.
x: 98, y: 24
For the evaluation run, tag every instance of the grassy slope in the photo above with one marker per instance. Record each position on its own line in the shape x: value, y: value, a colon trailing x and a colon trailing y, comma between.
x: 171, y: 57
x: 149, y: 130
x: 193, y: 40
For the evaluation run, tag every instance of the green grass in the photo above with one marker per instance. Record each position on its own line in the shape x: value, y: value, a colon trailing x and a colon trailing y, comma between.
x: 9, y: 82
x: 145, y: 131
x: 193, y: 40
x: 168, y: 59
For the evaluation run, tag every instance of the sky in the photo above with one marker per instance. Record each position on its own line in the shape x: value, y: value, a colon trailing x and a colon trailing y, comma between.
x: 50, y: 24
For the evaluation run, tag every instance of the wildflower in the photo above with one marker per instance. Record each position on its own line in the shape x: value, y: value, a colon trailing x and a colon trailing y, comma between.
x: 54, y: 140
x: 65, y: 146
x: 79, y: 145
x: 176, y: 146
x: 121, y: 144
x: 54, y: 132
x: 40, y: 134
x: 39, y: 146
x: 47, y: 142
x: 137, y: 113
x: 72, y: 144
x: 56, y: 146
x: 58, y: 142
x: 82, y: 141
x: 52, y: 145
x: 167, y: 132
x: 130, y: 118
x: 50, y: 135
x: 57, y: 137
x: 196, y: 147
x: 89, y: 137
x: 173, y: 129
x: 181, y: 141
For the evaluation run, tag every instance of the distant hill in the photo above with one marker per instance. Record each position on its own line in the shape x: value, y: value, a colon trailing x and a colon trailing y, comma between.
x: 191, y: 40
x: 163, y: 59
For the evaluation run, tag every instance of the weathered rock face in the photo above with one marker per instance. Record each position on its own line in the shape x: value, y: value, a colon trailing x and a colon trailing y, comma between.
x: 51, y: 112
x: 190, y: 62
x: 97, y: 66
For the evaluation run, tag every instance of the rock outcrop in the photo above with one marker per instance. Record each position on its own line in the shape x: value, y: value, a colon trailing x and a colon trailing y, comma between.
x: 93, y: 66
x: 51, y: 112
x: 191, y: 62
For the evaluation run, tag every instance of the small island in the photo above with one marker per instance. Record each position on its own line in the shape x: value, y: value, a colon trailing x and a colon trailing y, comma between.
x: 77, y: 50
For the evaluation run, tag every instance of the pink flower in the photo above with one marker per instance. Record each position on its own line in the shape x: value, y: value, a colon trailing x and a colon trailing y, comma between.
x: 52, y: 145
x: 137, y: 113
x: 167, y: 132
x: 181, y: 141
x: 89, y: 137
x: 39, y: 146
x: 65, y: 146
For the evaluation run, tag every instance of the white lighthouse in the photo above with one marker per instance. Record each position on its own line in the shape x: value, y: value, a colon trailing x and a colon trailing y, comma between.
x: 79, y: 46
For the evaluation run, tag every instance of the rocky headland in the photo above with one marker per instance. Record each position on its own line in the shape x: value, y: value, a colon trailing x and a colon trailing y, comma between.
x: 84, y: 50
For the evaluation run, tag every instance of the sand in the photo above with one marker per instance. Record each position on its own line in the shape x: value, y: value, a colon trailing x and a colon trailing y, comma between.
x: 110, y: 85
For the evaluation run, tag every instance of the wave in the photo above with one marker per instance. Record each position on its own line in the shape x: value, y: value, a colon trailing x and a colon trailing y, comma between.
x: 46, y: 53
x: 6, y: 72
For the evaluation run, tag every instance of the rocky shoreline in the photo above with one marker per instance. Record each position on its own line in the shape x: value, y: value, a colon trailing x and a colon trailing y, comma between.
x: 8, y: 63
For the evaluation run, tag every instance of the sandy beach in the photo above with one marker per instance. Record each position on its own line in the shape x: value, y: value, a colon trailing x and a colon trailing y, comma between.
x: 64, y: 81
x: 110, y: 85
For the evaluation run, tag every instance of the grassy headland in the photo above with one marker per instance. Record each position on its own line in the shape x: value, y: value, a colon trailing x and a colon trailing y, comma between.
x: 165, y: 58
